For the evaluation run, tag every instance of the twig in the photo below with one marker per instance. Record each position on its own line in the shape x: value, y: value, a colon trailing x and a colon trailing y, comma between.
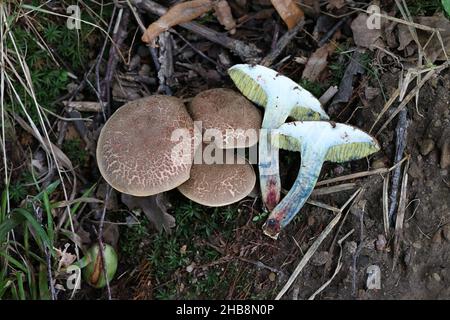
x: 100, y: 240
x: 119, y: 35
x: 400, y: 145
x: 247, y: 52
x: 281, y: 44
x: 386, y: 205
x: 165, y: 59
x: 332, y: 31
x: 358, y: 249
x: 400, y: 215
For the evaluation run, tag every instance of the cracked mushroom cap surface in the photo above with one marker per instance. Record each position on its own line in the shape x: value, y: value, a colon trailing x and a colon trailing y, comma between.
x: 235, y: 117
x: 217, y: 185
x: 135, y: 151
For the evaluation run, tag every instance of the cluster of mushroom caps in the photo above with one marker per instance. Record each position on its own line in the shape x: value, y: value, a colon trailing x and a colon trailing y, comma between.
x: 135, y: 148
x: 156, y: 144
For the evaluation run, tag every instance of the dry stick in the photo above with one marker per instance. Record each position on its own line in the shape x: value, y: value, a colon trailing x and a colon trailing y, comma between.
x: 281, y: 44
x: 99, y: 60
x: 336, y: 271
x: 400, y: 145
x: 387, y: 105
x: 358, y: 249
x: 332, y: 31
x: 400, y: 215
x: 247, y: 52
x: 386, y: 205
x: 412, y: 93
x: 100, y: 240
x: 314, y: 247
x: 120, y: 33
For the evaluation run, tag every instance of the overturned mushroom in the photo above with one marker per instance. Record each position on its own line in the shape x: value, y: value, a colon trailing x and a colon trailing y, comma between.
x: 227, y: 115
x: 281, y: 97
x: 220, y: 184
x: 136, y: 151
x: 317, y: 141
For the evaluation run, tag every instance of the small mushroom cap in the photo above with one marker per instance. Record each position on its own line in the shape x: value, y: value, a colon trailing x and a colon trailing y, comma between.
x: 265, y: 87
x: 217, y: 185
x: 340, y: 142
x: 135, y: 147
x: 232, y: 114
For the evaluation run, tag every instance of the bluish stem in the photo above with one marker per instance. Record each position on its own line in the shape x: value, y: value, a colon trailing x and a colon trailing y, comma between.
x: 291, y: 204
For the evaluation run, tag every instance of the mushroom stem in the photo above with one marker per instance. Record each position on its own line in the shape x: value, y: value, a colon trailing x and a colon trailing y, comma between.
x: 311, y: 164
x: 269, y: 176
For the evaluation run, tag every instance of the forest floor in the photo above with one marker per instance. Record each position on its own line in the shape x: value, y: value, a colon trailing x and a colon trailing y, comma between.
x: 55, y: 203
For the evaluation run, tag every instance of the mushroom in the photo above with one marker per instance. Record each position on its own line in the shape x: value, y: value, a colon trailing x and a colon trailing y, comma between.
x: 281, y: 97
x: 135, y: 150
x: 228, y: 113
x: 317, y: 141
x: 217, y: 185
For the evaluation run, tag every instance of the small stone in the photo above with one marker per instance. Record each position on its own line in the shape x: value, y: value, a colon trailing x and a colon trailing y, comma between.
x: 373, y: 277
x: 438, y: 123
x: 446, y: 232
x: 426, y: 146
x: 272, y: 276
x: 445, y: 155
x: 381, y: 242
x: 190, y: 268
x: 436, y: 277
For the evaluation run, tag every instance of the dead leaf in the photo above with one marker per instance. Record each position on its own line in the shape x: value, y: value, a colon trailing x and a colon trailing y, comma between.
x: 224, y: 16
x: 317, y: 62
x: 289, y: 11
x: 433, y: 51
x: 155, y: 208
x: 65, y: 258
x: 179, y: 13
x: 346, y: 86
x: 362, y: 35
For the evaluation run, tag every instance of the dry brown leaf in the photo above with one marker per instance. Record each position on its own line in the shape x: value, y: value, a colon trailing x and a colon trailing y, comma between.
x: 179, y: 13
x: 154, y: 207
x: 289, y: 11
x: 362, y: 35
x: 317, y: 62
x: 224, y: 16
x: 433, y: 51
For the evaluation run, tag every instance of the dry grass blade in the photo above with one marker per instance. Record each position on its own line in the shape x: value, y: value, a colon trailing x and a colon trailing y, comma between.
x: 338, y: 266
x: 413, y: 93
x: 400, y: 215
x: 386, y: 205
x: 314, y: 247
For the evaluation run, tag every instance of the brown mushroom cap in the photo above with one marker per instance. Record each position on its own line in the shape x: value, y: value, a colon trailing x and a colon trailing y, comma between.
x: 230, y: 112
x: 134, y: 149
x: 217, y: 185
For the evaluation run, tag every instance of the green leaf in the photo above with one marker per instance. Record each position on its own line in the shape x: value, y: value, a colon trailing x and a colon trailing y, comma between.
x: 446, y: 5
